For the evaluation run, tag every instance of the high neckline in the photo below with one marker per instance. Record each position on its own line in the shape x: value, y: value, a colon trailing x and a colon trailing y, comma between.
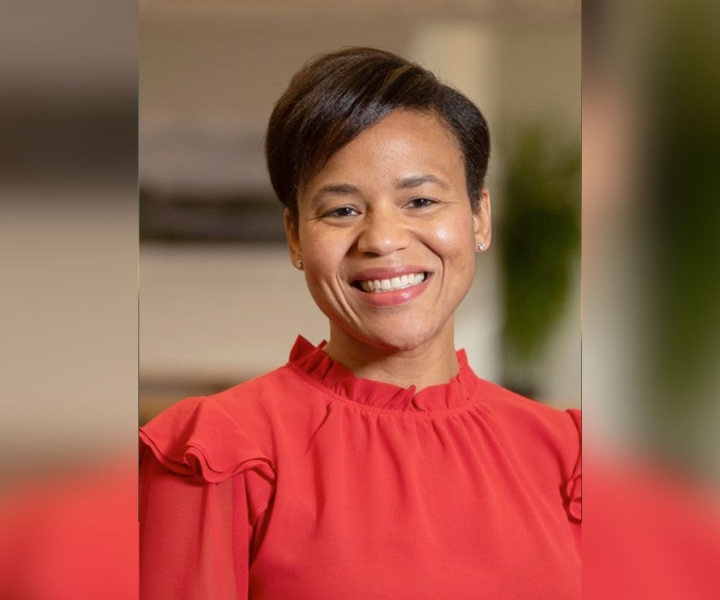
x: 315, y: 363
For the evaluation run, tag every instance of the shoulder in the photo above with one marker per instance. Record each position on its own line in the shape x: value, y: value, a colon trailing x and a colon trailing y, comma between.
x: 215, y: 437
x: 546, y: 422
x: 548, y: 439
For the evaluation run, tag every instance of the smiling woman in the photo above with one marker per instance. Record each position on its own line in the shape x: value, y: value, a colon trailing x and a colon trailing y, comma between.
x: 392, y: 203
x: 376, y: 464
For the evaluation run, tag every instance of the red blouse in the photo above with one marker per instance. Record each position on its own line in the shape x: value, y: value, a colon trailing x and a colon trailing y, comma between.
x: 309, y: 483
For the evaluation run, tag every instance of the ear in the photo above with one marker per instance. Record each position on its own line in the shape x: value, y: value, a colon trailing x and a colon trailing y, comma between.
x: 293, y: 239
x: 482, y: 220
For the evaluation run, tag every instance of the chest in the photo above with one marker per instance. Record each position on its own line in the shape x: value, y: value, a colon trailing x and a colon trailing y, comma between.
x: 408, y: 519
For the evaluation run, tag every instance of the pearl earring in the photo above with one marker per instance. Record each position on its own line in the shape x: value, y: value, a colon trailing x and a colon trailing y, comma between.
x: 480, y: 247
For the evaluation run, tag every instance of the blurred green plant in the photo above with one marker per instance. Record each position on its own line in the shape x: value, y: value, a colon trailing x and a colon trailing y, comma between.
x: 682, y: 185
x: 539, y: 237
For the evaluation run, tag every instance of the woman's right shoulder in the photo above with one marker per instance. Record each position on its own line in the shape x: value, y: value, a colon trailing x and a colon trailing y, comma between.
x: 215, y: 437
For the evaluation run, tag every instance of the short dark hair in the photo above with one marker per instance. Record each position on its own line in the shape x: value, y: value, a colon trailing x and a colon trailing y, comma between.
x: 337, y: 96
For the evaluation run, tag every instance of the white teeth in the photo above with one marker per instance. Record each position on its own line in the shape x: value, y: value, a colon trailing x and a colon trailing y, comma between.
x: 396, y: 283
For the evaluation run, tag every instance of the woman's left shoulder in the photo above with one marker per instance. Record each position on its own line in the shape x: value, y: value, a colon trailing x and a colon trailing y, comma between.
x: 548, y: 439
x: 554, y: 424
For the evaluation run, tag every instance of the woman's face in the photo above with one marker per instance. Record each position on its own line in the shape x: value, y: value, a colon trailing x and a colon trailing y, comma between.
x: 387, y: 235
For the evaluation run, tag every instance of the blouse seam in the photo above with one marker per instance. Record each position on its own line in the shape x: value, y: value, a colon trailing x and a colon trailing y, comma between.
x: 359, y: 406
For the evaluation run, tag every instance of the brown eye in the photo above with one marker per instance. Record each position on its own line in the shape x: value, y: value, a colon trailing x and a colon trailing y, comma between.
x: 342, y: 211
x: 421, y: 202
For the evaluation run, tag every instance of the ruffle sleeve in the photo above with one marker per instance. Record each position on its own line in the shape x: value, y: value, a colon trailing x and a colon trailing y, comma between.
x: 199, y: 439
x: 573, y: 486
x: 205, y: 489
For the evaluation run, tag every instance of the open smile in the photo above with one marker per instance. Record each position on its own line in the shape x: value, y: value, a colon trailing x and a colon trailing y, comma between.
x: 392, y: 284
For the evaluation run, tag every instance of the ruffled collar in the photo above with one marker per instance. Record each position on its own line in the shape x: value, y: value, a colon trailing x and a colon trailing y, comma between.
x: 313, y: 362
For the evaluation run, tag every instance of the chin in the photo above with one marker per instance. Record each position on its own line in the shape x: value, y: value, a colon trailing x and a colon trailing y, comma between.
x: 397, y: 341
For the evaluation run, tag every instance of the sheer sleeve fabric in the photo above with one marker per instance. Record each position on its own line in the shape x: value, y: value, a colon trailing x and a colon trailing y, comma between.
x: 202, y: 507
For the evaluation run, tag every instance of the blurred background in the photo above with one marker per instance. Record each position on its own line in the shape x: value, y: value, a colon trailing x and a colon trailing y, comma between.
x: 219, y: 300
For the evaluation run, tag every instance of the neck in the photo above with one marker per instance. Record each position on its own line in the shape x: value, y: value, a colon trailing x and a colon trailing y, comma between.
x: 432, y: 363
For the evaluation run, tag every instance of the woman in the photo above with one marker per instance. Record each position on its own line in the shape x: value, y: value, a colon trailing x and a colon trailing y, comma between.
x: 376, y: 465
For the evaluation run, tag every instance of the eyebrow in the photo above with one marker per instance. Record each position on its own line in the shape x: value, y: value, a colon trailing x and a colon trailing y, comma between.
x: 337, y: 188
x: 418, y: 180
x: 347, y: 189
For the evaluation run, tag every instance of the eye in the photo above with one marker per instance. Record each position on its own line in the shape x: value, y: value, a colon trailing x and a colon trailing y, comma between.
x: 421, y: 202
x: 341, y: 211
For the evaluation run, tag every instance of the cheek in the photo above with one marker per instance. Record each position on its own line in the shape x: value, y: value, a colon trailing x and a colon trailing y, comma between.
x: 454, y: 238
x: 454, y: 243
x: 322, y: 256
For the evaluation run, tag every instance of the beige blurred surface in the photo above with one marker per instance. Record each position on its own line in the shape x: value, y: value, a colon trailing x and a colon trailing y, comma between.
x: 68, y: 322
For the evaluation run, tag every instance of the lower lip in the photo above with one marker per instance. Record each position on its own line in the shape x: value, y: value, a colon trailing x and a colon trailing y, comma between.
x: 395, y: 297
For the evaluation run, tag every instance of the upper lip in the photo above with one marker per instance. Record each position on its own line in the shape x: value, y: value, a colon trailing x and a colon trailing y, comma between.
x: 379, y: 273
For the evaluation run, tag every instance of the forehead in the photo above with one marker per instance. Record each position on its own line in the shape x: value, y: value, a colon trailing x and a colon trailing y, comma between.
x: 402, y: 144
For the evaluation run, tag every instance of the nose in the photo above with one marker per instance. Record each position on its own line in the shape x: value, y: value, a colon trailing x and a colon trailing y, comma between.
x: 383, y: 233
